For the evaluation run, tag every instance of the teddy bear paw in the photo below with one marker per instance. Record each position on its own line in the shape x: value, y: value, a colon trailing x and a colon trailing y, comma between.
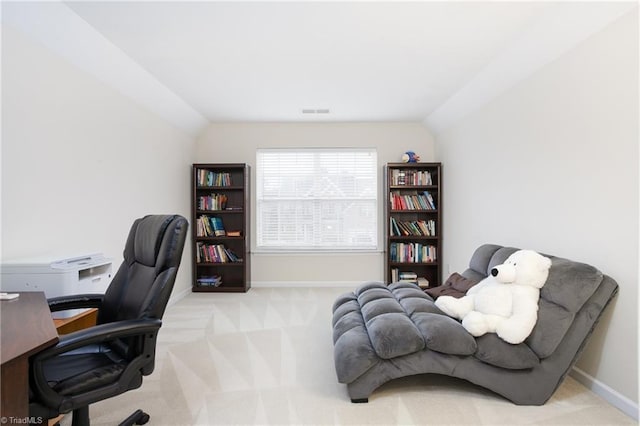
x: 447, y: 304
x: 475, y: 324
x: 511, y: 333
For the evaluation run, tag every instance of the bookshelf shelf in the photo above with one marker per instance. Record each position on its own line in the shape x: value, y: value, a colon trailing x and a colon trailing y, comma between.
x: 413, y: 226
x: 405, y: 211
x: 220, y: 261
x: 411, y: 237
x: 221, y: 188
x: 213, y: 238
x: 394, y: 187
x: 221, y: 264
x: 218, y: 211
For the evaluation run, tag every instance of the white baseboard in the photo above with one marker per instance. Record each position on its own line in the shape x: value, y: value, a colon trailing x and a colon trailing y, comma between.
x: 613, y: 397
x: 176, y: 297
x: 306, y: 284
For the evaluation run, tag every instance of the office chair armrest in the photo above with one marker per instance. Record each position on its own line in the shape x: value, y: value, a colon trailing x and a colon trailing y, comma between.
x: 99, y: 334
x: 75, y: 301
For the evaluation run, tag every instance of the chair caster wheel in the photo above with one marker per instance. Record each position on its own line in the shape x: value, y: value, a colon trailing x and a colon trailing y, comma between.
x: 139, y: 417
x: 144, y: 418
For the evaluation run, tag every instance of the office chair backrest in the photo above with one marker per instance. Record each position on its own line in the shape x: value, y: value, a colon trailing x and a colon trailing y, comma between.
x: 143, y: 283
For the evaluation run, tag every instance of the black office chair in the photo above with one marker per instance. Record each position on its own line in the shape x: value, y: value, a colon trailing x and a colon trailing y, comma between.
x: 110, y: 358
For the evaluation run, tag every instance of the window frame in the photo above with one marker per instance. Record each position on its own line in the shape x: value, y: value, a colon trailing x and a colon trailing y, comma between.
x: 373, y: 231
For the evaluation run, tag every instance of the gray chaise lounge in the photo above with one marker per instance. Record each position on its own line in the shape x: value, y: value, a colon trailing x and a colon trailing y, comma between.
x: 384, y: 332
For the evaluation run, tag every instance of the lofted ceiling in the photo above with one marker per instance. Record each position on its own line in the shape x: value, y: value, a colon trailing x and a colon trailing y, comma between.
x: 200, y: 62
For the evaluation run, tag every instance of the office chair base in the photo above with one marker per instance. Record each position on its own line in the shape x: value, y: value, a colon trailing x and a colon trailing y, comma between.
x: 80, y: 416
x: 139, y: 417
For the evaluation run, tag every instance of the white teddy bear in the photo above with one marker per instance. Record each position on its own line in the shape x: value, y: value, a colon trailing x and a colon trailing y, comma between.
x: 506, y: 302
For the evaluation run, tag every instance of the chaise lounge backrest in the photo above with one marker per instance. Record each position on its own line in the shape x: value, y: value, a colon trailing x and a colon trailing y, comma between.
x: 569, y: 285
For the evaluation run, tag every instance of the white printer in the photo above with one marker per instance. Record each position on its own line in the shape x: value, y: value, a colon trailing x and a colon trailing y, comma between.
x: 83, y: 274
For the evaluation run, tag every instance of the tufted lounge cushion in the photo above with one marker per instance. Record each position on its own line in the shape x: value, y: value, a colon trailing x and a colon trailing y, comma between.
x: 495, y: 351
x: 444, y: 334
x: 378, y: 322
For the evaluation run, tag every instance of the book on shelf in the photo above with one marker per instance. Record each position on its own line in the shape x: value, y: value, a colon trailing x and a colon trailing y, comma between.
x: 408, y: 177
x: 212, y: 202
x: 423, y: 282
x: 212, y: 281
x: 394, y: 228
x: 412, y: 253
x: 234, y: 233
x: 211, y: 178
x: 408, y: 276
x: 215, y: 253
x: 424, y: 228
x: 210, y: 226
x: 432, y: 204
x: 411, y: 201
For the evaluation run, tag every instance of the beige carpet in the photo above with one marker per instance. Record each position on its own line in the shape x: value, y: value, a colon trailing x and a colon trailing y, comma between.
x: 266, y: 358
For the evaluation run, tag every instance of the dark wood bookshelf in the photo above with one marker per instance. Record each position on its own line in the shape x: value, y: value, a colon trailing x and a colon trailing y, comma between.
x: 417, y: 217
x: 225, y: 267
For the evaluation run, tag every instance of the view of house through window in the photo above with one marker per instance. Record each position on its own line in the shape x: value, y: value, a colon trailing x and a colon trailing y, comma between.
x: 316, y: 199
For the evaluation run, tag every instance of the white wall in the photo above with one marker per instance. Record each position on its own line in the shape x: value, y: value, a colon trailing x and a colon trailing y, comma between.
x: 237, y: 142
x: 80, y: 161
x: 552, y: 165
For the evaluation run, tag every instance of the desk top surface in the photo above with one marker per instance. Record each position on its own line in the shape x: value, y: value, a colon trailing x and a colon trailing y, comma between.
x: 27, y: 326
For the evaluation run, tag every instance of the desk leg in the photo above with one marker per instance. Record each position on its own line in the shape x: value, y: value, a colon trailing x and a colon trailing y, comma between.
x: 15, y: 390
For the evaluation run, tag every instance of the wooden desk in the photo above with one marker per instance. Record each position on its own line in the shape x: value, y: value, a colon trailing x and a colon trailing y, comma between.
x: 77, y: 322
x: 27, y: 328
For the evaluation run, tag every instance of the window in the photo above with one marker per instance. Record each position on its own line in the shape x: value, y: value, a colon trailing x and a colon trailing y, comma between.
x: 317, y: 199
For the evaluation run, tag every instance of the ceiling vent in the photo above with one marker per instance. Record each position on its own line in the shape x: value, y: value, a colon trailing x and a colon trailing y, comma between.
x: 315, y: 111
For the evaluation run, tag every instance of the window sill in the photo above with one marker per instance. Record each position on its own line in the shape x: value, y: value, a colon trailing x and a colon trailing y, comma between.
x: 308, y: 252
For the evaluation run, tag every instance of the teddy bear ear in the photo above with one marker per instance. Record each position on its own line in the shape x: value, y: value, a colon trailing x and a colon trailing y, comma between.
x: 546, y: 264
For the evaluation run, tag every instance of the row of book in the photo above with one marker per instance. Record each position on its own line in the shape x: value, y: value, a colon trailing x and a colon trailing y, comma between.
x: 415, y: 201
x: 408, y: 277
x: 210, y: 227
x: 423, y: 228
x: 412, y: 253
x: 209, y: 178
x: 210, y: 281
x: 212, y: 202
x: 215, y: 253
x: 410, y: 177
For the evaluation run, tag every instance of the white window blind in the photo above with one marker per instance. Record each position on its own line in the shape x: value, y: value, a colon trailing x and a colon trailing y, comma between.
x: 316, y: 199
